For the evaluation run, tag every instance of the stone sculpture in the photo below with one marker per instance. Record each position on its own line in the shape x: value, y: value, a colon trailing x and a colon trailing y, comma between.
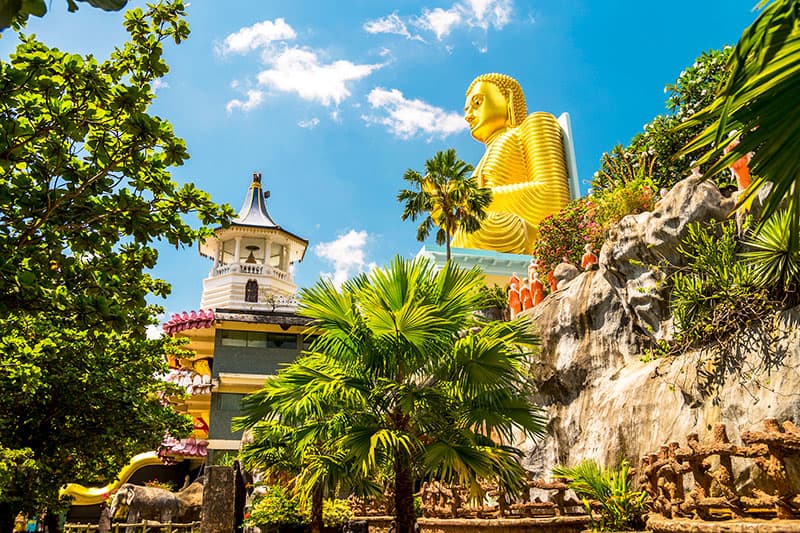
x: 537, y: 289
x: 145, y: 503
x: 514, y: 300
x: 525, y: 296
x: 589, y: 259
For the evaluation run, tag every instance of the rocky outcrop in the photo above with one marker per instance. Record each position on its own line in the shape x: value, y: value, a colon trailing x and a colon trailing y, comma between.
x: 605, y: 397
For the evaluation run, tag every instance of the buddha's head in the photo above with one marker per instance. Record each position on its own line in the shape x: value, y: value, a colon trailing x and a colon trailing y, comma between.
x: 494, y: 101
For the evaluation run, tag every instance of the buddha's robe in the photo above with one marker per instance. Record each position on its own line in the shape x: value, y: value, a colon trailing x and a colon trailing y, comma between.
x: 526, y: 170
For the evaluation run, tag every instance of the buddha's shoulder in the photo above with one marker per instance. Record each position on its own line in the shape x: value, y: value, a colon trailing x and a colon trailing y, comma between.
x: 539, y: 118
x: 540, y: 125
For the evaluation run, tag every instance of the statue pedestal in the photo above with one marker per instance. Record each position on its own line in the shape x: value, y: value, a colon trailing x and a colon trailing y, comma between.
x: 497, y: 266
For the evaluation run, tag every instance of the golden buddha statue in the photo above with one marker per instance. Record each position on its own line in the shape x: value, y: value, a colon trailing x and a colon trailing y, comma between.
x: 524, y: 165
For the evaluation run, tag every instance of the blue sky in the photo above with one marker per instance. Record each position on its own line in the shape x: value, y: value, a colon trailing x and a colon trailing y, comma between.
x: 333, y: 101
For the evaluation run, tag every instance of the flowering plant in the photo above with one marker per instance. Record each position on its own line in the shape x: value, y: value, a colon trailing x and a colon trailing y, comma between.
x: 564, y: 235
x: 636, y: 196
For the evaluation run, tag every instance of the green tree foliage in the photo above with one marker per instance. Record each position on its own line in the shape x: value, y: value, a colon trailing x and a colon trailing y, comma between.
x: 417, y: 385
x: 16, y: 12
x: 758, y: 106
x: 654, y: 153
x: 85, y: 192
x: 621, y: 507
x: 447, y: 196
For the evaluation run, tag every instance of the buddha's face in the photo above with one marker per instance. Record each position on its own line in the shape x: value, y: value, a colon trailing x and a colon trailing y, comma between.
x: 485, y: 110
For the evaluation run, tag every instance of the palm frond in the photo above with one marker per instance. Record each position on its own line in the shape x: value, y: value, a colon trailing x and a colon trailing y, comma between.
x: 758, y: 105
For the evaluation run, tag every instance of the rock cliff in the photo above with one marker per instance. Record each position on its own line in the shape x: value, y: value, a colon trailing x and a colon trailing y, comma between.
x: 605, y: 397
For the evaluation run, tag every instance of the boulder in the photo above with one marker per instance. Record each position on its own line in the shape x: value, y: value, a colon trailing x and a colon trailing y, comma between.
x: 564, y: 273
x: 605, y: 395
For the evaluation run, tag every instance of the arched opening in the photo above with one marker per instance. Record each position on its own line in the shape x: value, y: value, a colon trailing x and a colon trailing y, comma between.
x: 251, y: 291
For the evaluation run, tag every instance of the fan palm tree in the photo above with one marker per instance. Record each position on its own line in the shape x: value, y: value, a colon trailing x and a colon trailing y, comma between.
x: 422, y: 388
x: 293, y: 434
x: 758, y: 105
x: 775, y: 263
x: 447, y: 196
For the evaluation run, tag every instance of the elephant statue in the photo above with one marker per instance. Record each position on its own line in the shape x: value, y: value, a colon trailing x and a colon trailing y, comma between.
x: 150, y: 503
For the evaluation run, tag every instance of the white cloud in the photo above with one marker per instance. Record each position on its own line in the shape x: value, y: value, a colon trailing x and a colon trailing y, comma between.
x: 254, y: 99
x: 442, y: 22
x: 484, y: 13
x: 154, y: 331
x: 406, y: 118
x: 159, y: 83
x: 389, y: 24
x: 346, y: 255
x: 310, y: 124
x: 439, y: 21
x: 300, y: 71
x: 258, y: 35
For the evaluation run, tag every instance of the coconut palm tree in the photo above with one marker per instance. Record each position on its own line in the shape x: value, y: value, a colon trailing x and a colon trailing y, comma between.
x: 447, y: 196
x: 758, y: 107
x: 423, y: 386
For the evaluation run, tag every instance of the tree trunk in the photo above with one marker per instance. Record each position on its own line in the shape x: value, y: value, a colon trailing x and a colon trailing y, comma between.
x: 316, y: 510
x: 404, y: 513
x: 447, y: 240
x: 7, y: 516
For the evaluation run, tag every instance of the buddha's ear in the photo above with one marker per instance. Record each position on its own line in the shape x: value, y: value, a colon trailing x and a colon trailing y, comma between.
x: 512, y: 115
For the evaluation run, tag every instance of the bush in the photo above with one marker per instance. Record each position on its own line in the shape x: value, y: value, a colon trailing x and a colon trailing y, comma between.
x: 565, y: 234
x: 494, y: 302
x: 274, y: 509
x: 720, y: 309
x: 166, y: 485
x: 621, y: 508
x: 610, y: 206
x: 714, y: 294
x: 336, y: 513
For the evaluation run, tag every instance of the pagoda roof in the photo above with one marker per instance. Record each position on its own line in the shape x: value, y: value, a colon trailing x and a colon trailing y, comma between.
x: 254, y: 210
x: 254, y: 217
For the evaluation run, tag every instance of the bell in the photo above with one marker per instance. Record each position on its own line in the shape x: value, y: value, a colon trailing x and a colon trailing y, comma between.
x: 251, y: 258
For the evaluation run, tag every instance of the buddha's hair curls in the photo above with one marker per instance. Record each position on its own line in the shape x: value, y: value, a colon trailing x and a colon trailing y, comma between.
x: 511, y: 90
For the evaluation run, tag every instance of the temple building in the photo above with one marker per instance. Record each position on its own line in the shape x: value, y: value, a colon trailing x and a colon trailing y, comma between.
x: 246, y: 327
x: 247, y: 324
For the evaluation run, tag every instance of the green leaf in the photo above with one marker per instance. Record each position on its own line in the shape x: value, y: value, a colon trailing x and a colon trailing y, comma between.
x: 107, y: 5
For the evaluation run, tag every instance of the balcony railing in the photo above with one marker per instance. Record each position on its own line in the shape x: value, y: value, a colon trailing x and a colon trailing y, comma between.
x: 251, y: 268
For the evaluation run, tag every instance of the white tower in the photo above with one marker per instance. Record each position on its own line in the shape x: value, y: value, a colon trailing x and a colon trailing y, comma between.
x: 252, y: 260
